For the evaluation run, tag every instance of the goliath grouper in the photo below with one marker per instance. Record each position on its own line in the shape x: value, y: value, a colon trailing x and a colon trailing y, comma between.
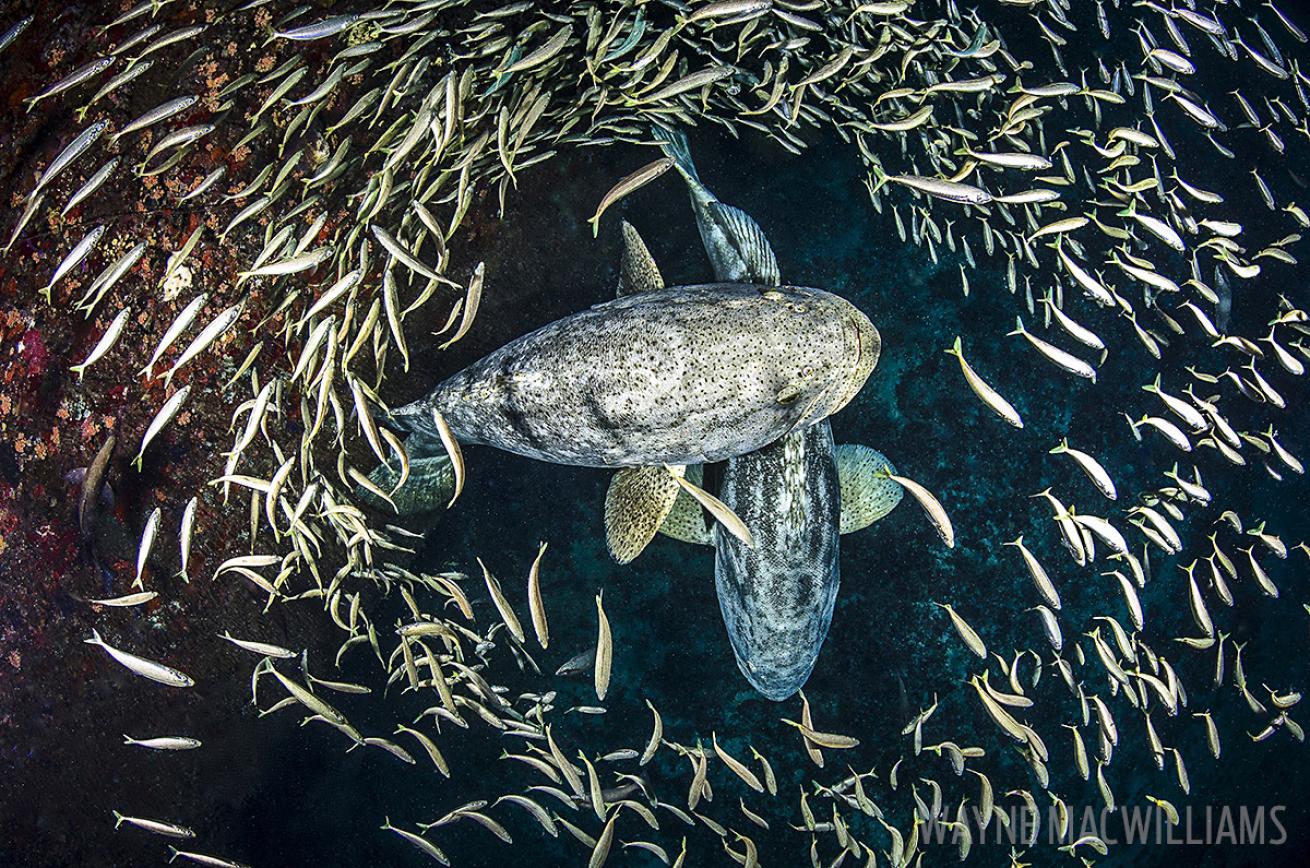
x: 649, y: 382
x: 795, y: 495
x: 682, y: 375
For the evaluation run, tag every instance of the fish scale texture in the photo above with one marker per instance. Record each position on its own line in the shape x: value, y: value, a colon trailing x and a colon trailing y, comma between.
x: 777, y: 598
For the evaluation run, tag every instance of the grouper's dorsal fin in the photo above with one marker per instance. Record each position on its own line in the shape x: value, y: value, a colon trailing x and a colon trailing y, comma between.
x: 636, y: 504
x: 866, y: 493
x: 757, y: 255
x: 638, y: 271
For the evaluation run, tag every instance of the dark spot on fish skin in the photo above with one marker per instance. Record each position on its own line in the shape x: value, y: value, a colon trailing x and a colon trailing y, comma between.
x: 596, y: 409
x: 509, y: 404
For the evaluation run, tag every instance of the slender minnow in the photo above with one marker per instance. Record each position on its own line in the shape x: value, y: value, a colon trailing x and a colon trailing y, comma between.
x: 185, y: 534
x: 136, y: 39
x: 105, y: 344
x: 128, y: 600
x: 161, y: 420
x: 211, y: 333
x: 159, y: 827
x: 178, y: 138
x: 115, y: 83
x: 73, y: 79
x: 15, y: 31
x: 74, y: 257
x: 75, y: 149
x: 169, y: 38
x: 319, y: 29
x: 179, y: 325
x: 548, y: 50
x: 92, y: 184
x: 110, y: 276
x: 209, y: 180
x: 161, y: 112
x: 141, y: 666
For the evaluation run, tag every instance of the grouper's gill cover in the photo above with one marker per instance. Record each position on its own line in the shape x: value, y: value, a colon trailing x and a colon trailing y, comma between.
x: 777, y: 599
x: 684, y: 375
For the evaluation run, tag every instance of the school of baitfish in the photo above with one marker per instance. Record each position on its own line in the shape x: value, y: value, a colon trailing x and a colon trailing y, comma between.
x: 1071, y: 177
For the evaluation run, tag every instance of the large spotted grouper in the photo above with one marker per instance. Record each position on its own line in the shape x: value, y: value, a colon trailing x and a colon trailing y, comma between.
x: 681, y: 375
x: 746, y: 371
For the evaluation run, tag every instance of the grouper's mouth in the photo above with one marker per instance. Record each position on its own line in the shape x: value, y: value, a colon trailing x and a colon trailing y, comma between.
x: 863, y: 346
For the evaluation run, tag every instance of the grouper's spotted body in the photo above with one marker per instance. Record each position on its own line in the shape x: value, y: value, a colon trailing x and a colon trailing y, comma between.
x: 684, y: 375
x: 777, y: 598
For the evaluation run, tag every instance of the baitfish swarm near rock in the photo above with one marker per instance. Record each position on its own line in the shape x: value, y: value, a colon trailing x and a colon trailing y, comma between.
x: 1108, y: 179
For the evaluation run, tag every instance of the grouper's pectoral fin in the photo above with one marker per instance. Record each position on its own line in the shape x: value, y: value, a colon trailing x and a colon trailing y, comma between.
x: 866, y: 494
x: 638, y: 271
x: 748, y: 238
x: 686, y: 521
x: 636, y: 504
x: 430, y: 485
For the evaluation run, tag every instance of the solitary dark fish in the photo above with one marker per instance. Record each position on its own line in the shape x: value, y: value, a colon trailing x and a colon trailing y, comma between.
x: 578, y: 664
x: 92, y: 481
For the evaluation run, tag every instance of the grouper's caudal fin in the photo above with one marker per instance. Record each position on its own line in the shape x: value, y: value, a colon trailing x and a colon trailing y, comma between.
x: 430, y: 485
x: 753, y: 248
x: 434, y: 475
x: 674, y: 145
x: 751, y: 258
x: 638, y: 271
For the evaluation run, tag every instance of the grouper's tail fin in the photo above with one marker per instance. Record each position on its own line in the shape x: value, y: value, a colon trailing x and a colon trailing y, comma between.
x: 431, y: 478
x: 674, y: 145
x: 430, y: 484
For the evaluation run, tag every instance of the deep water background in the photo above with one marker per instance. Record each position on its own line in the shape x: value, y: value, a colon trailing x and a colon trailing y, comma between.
x: 890, y: 650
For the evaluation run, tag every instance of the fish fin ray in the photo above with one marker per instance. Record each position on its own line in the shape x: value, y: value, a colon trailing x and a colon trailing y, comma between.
x: 867, y: 494
x: 636, y: 504
x: 429, y: 487
x: 686, y: 520
x: 753, y: 247
x: 674, y: 145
